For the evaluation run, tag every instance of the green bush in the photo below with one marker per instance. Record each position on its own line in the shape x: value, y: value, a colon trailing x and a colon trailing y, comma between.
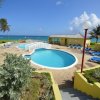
x: 92, y: 75
x: 3, y: 41
x: 15, y: 75
x: 92, y: 43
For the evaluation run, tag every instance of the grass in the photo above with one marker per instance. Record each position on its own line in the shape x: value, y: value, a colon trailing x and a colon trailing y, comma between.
x: 40, y: 88
x: 92, y: 75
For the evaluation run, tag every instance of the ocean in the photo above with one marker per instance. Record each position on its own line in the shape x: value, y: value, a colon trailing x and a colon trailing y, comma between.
x: 20, y: 37
x: 40, y: 38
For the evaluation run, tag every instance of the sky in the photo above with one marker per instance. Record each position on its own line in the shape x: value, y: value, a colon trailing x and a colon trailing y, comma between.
x: 46, y: 17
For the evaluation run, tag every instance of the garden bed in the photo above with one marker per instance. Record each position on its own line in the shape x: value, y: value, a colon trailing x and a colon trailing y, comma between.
x: 88, y: 82
x: 40, y: 88
x: 20, y: 81
x: 93, y: 75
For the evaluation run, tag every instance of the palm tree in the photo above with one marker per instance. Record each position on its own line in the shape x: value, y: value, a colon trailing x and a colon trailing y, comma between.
x: 4, y: 25
x: 3, y: 22
x: 96, y: 32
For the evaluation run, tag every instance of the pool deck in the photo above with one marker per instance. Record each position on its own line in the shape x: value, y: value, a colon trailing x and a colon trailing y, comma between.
x: 62, y: 77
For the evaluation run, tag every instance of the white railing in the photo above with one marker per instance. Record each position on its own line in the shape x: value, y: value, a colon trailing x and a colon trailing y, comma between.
x: 37, y: 45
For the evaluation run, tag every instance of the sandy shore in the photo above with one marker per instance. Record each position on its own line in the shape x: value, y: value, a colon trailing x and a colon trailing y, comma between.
x: 62, y: 77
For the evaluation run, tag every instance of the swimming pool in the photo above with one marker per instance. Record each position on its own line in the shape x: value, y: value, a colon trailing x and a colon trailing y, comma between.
x: 52, y: 58
x: 23, y: 46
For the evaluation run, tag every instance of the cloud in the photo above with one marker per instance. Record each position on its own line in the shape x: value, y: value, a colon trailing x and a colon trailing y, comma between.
x: 78, y: 22
x: 59, y: 3
x: 71, y: 28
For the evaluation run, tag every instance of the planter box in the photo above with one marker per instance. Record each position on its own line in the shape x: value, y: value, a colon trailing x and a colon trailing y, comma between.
x: 81, y: 83
x: 54, y: 86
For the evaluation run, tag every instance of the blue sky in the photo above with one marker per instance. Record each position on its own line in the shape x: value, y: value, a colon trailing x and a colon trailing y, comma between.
x: 46, y: 17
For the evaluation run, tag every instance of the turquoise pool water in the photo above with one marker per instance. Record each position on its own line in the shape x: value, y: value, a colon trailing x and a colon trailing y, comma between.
x: 22, y: 45
x: 52, y: 58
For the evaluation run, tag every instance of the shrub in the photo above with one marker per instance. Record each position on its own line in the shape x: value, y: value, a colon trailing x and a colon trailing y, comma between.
x: 3, y: 41
x: 14, y: 77
x: 92, y: 75
x: 92, y: 43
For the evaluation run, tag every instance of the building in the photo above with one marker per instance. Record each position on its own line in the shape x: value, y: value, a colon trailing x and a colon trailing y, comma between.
x: 68, y: 39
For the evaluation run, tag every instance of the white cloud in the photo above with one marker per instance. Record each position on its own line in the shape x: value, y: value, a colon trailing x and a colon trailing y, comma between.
x: 78, y: 22
x: 71, y: 28
x: 59, y: 3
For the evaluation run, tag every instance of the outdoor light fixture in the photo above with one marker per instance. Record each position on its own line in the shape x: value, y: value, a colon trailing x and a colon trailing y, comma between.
x: 86, y: 26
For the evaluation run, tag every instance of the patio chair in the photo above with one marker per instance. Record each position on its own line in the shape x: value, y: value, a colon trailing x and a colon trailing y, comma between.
x: 95, y: 53
x: 79, y: 47
x: 87, y: 49
x: 69, y: 45
x: 73, y: 45
x: 95, y: 59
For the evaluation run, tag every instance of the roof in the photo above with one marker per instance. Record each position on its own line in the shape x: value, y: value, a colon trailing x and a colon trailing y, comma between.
x: 69, y: 36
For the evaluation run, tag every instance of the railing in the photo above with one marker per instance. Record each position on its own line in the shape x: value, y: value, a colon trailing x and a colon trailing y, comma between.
x: 37, y: 45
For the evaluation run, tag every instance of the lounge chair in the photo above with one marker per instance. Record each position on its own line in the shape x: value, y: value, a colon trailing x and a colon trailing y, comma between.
x: 87, y: 49
x: 78, y: 46
x: 95, y: 59
x: 95, y: 53
x: 91, y: 51
x: 69, y: 45
x: 73, y: 45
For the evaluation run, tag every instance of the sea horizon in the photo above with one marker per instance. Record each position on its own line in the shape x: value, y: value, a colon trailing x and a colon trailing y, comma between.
x: 23, y: 37
x: 33, y: 37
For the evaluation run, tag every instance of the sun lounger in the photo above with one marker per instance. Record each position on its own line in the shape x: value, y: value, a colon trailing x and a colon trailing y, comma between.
x: 95, y: 53
x: 79, y: 47
x: 69, y: 45
x: 87, y: 49
x: 73, y: 46
x: 95, y: 59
